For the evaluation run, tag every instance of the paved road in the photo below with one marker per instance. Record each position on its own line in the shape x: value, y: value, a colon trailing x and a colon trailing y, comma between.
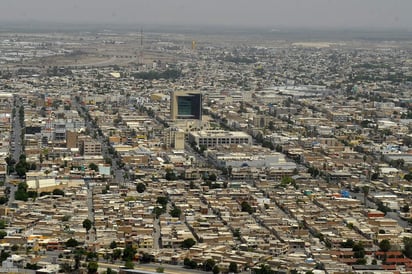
x: 16, y: 147
x: 92, y: 233
x: 200, y: 160
x: 118, y: 173
x: 395, y: 216
x: 156, y: 234
x: 371, y: 204
x: 359, y: 196
x: 17, y: 131
x: 13, y: 189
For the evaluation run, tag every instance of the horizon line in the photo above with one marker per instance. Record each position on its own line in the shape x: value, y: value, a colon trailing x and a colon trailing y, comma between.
x: 271, y: 28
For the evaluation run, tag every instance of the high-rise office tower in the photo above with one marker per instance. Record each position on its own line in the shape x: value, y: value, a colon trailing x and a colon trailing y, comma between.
x: 186, y: 105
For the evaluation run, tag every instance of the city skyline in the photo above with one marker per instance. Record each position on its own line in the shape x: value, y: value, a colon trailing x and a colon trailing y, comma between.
x: 182, y: 149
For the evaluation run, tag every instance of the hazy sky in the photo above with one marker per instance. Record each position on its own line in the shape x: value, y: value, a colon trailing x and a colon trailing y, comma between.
x: 267, y: 13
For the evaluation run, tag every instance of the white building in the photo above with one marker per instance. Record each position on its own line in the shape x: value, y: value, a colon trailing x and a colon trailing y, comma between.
x: 213, y: 138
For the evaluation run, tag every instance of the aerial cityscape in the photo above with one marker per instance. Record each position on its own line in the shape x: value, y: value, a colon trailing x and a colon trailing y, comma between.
x: 162, y: 149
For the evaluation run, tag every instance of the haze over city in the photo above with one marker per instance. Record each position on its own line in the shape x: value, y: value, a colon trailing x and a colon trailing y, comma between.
x: 348, y: 14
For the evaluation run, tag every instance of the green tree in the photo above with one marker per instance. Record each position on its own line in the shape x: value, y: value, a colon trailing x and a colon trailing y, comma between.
x: 32, y: 266
x: 162, y: 200
x: 10, y: 164
x: 405, y: 208
x: 110, y: 271
x: 175, y: 212
x: 33, y: 166
x: 359, y: 251
x: 32, y: 194
x: 236, y: 233
x: 212, y: 177
x: 146, y: 258
x: 264, y: 269
x: 87, y: 224
x: 92, y: 256
x: 385, y: 245
x: 129, y: 265
x: 216, y: 269
x: 189, y: 263
x: 21, y: 192
x: 233, y: 267
x: 286, y: 180
x: 157, y: 211
x: 113, y: 245
x: 93, y: 166
x: 208, y: 264
x: 246, y: 207
x: 382, y: 207
x: 117, y: 253
x: 4, y: 255
x: 188, y: 243
x: 170, y: 175
x: 58, y: 192
x: 313, y: 171
x: 3, y: 234
x: 2, y: 224
x: 71, y: 243
x: 407, y: 251
x: 129, y: 252
x: 160, y: 269
x: 271, y: 126
x: 92, y: 267
x: 348, y: 244
x: 21, y: 168
x: 140, y: 187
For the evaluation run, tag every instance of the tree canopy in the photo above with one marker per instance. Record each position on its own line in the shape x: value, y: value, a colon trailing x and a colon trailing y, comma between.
x: 246, y: 207
x: 233, y: 267
x: 21, y: 193
x: 175, y: 212
x: 87, y: 224
x: 188, y: 243
x: 72, y: 242
x: 140, y: 187
x: 385, y: 245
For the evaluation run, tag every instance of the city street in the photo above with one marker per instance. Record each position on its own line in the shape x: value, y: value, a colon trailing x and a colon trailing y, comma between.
x: 16, y: 146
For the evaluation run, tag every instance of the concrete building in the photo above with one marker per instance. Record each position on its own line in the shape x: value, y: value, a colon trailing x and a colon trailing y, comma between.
x: 175, y: 138
x: 88, y: 146
x: 212, y: 138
